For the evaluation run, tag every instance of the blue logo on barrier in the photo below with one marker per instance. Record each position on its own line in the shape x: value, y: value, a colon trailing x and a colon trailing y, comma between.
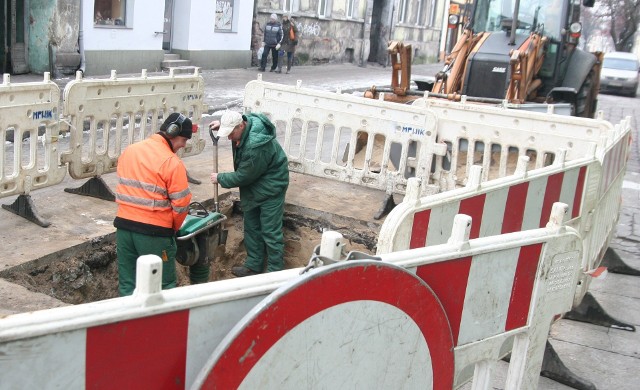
x: 45, y: 114
x: 191, y: 97
x: 413, y: 130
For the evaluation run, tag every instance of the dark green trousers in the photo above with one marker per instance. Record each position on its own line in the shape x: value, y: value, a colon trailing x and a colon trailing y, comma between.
x: 131, y: 245
x: 263, y: 237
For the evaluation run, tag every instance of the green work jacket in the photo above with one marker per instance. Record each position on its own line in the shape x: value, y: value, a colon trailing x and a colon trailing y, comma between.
x: 261, y: 165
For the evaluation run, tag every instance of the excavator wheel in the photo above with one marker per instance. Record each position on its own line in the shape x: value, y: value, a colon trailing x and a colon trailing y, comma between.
x: 586, y: 99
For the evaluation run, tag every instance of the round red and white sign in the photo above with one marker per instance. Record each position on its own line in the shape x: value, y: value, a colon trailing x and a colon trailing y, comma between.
x: 355, y: 324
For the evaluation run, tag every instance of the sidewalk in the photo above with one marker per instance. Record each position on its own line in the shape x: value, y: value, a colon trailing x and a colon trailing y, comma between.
x: 610, y: 358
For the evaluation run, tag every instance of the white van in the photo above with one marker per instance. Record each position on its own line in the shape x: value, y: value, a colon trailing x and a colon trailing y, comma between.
x: 620, y: 73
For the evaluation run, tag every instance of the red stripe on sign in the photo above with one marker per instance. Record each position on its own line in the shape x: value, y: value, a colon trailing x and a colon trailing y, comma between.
x: 374, y: 282
x: 449, y: 279
x: 419, y: 229
x: 551, y: 195
x: 577, y: 198
x: 144, y: 353
x: 514, y: 209
x: 522, y: 289
x: 473, y: 207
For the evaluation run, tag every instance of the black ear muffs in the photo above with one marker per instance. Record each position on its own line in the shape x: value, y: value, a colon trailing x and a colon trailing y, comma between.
x: 175, y: 127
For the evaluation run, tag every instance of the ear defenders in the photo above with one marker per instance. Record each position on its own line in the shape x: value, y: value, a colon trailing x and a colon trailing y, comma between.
x: 175, y: 127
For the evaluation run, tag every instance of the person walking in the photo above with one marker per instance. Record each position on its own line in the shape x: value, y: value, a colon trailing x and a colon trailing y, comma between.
x: 289, y: 41
x: 261, y: 171
x: 153, y: 199
x: 271, y: 43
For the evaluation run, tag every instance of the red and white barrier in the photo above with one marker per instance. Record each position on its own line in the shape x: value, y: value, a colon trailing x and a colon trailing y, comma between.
x: 416, y: 318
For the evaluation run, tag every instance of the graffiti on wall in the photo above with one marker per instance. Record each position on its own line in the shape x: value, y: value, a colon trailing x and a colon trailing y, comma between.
x: 309, y: 29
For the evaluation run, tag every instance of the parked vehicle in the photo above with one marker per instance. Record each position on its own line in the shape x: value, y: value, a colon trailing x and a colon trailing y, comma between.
x: 619, y: 73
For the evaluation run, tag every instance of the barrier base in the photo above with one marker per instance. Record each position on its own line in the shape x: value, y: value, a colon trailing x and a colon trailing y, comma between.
x: 615, y: 264
x: 95, y: 187
x: 24, y: 207
x: 589, y: 310
x: 192, y: 180
x: 387, y: 205
x: 553, y: 368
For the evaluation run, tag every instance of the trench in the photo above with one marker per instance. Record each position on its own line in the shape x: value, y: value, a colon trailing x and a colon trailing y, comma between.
x: 88, y: 272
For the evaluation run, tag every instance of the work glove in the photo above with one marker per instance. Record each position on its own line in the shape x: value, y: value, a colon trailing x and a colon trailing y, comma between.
x: 278, y: 46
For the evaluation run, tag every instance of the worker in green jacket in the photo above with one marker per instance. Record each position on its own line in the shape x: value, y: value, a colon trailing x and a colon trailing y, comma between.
x: 261, y: 172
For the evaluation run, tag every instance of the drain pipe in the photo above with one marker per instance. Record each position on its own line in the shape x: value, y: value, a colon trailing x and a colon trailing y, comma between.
x: 81, y: 42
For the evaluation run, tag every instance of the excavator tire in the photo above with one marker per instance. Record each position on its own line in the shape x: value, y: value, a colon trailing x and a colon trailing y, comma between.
x: 586, y: 99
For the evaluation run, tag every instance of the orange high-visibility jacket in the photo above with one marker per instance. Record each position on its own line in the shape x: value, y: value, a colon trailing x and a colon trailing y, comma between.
x: 152, y: 184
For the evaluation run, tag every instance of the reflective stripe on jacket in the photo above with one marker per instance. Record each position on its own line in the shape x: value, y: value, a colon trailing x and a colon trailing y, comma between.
x: 152, y: 184
x: 272, y: 34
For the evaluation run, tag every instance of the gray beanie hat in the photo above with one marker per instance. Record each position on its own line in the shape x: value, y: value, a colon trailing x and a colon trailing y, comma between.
x: 274, y: 16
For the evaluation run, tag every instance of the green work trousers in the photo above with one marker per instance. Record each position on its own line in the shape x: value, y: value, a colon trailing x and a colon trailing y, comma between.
x: 263, y: 236
x: 131, y: 245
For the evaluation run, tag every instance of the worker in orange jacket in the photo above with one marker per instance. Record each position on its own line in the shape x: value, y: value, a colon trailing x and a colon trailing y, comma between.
x: 153, y: 199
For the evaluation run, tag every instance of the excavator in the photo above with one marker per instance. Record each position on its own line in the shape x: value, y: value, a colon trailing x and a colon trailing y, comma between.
x: 524, y: 52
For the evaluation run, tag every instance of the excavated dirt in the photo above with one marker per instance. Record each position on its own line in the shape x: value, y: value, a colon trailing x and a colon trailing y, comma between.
x: 88, y: 272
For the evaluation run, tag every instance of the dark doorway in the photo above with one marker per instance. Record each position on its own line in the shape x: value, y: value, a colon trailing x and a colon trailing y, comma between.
x: 13, y: 35
x: 374, y: 38
x: 168, y: 22
x: 381, y: 22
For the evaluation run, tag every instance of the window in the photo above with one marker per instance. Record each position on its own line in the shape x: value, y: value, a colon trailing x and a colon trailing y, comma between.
x: 224, y: 15
x: 431, y: 21
x: 324, y: 7
x: 421, y: 12
x: 417, y: 12
x: 290, y: 5
x: 404, y: 8
x: 351, y: 5
x: 111, y: 13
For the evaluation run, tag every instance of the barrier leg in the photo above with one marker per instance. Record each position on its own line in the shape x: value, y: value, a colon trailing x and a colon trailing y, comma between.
x: 24, y: 207
x: 95, y: 187
x: 387, y: 205
x: 553, y: 368
x: 615, y: 264
x: 589, y: 310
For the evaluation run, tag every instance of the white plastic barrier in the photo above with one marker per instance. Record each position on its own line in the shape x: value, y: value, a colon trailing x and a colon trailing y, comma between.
x: 28, y: 109
x: 321, y: 131
x: 437, y: 141
x: 590, y: 186
x: 118, y: 112
x: 496, y: 135
x: 417, y: 319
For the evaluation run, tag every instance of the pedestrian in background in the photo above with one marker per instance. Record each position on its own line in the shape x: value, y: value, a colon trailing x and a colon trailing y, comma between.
x: 289, y: 41
x: 271, y: 43
x: 261, y: 171
x: 153, y: 200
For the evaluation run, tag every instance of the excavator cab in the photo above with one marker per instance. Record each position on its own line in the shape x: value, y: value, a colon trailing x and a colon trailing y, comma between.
x: 522, y: 51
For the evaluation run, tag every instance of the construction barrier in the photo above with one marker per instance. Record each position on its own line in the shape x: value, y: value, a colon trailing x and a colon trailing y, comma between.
x: 415, y: 319
x: 29, y: 111
x: 118, y: 112
x: 591, y: 187
x: 513, y: 164
x: 381, y: 144
x: 99, y: 118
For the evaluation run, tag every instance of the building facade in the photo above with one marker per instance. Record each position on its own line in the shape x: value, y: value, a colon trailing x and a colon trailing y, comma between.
x: 358, y: 31
x: 97, y: 36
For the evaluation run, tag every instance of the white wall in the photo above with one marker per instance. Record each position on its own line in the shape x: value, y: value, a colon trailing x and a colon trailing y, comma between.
x: 199, y: 16
x: 148, y: 17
